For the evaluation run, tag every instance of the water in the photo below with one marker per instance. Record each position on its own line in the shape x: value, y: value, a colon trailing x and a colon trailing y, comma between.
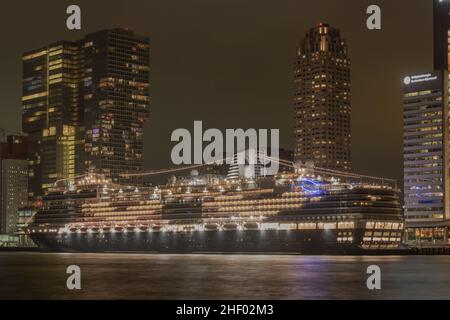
x: 139, y: 276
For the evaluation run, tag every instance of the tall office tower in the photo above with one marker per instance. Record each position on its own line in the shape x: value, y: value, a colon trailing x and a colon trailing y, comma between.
x: 441, y: 27
x: 322, y: 101
x: 34, y: 112
x: 51, y: 112
x: 116, y: 100
x: 84, y: 106
x: 426, y: 156
x: 14, y: 182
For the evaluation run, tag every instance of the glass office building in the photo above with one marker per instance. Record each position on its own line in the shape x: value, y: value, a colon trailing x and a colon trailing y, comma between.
x: 426, y: 156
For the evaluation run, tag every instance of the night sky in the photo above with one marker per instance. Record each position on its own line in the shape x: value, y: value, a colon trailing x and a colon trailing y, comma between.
x: 229, y: 63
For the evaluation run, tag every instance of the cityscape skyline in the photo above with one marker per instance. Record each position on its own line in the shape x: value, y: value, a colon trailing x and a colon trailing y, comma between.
x: 367, y: 142
x: 83, y: 99
x: 145, y: 134
x: 85, y: 104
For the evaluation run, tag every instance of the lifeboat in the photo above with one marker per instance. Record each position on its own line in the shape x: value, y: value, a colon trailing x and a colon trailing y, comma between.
x: 118, y: 229
x: 95, y: 229
x: 156, y: 228
x: 106, y: 229
x: 211, y: 226
x: 130, y: 229
x: 251, y: 226
x: 83, y: 229
x: 189, y: 228
x: 230, y: 226
x: 143, y: 228
x: 73, y: 229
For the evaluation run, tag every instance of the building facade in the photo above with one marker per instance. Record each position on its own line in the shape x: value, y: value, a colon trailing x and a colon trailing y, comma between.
x: 441, y: 35
x: 322, y: 100
x: 14, y: 182
x: 426, y: 141
x: 52, y: 113
x: 426, y: 156
x: 84, y: 106
x: 116, y: 101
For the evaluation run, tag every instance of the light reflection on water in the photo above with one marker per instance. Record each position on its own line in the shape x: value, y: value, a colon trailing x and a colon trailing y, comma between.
x: 139, y: 276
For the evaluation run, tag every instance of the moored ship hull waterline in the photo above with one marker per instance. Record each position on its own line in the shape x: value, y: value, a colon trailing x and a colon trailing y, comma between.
x: 212, y: 242
x: 288, y: 214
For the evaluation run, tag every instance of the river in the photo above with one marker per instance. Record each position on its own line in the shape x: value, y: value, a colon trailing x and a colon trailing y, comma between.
x: 152, y: 276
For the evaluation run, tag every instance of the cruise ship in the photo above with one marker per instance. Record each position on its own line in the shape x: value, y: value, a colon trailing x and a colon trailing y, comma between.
x: 301, y: 212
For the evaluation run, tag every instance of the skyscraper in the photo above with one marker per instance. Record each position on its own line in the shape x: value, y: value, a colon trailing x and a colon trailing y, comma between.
x: 116, y: 100
x: 426, y: 156
x: 441, y: 34
x: 322, y: 101
x: 426, y: 146
x: 51, y: 112
x: 84, y: 106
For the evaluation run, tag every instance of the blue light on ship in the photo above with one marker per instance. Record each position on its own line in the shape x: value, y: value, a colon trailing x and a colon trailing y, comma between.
x: 310, y: 186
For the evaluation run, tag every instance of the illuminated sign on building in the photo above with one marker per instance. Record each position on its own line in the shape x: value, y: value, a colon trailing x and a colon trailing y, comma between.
x: 419, y: 78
